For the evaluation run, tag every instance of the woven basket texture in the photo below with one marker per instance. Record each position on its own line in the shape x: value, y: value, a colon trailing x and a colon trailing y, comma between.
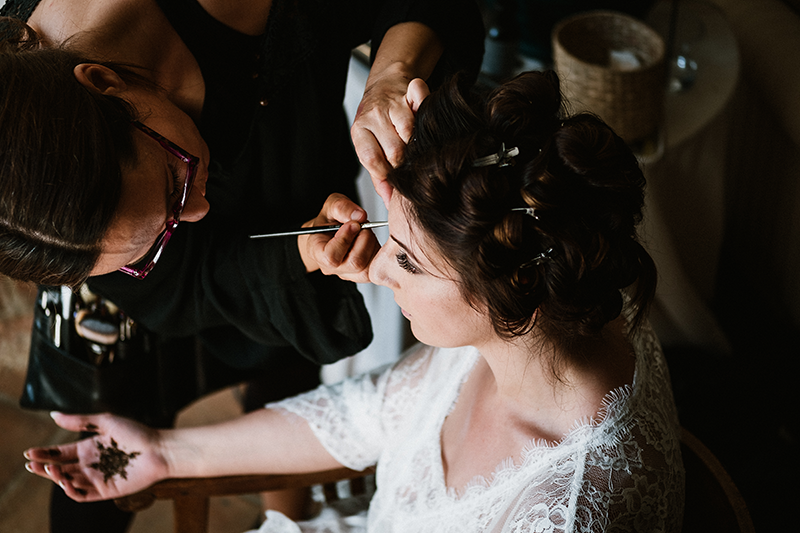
x: 628, y: 95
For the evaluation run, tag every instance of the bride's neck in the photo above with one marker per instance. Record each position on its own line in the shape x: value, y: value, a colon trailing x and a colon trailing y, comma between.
x: 531, y: 374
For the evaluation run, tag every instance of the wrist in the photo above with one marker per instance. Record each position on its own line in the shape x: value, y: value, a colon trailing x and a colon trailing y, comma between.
x: 179, y: 458
x: 308, y: 261
x: 393, y: 70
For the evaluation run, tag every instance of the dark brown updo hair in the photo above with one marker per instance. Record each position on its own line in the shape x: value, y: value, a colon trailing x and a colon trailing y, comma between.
x: 62, y: 147
x: 571, y: 260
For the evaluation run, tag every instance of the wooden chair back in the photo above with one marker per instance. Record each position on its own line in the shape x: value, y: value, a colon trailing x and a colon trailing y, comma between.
x: 713, y: 503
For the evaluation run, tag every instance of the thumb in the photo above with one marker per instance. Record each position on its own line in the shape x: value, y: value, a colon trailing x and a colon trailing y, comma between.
x: 77, y: 423
x: 417, y: 92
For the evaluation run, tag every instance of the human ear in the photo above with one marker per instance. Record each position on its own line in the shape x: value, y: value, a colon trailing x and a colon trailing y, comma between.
x: 99, y: 78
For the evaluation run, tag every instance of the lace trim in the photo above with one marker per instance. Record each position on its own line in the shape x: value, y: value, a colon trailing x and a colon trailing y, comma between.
x: 535, y: 449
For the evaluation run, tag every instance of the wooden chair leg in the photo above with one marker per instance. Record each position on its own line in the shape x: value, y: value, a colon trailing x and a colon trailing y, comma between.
x: 191, y: 514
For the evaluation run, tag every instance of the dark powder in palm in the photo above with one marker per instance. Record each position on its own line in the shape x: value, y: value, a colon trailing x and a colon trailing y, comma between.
x: 113, y: 461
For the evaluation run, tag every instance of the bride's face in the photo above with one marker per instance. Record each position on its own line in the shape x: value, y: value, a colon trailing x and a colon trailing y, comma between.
x: 424, y: 287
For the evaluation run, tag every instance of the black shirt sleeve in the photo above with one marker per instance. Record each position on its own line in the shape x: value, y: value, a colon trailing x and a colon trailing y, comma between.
x: 210, y: 279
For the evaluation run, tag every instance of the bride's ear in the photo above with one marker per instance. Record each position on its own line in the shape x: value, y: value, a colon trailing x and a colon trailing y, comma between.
x: 99, y: 78
x: 417, y: 91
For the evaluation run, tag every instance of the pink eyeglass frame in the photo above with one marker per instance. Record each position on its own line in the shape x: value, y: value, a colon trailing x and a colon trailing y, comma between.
x: 154, y: 254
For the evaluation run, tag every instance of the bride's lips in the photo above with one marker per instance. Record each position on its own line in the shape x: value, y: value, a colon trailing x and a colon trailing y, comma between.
x: 405, y: 313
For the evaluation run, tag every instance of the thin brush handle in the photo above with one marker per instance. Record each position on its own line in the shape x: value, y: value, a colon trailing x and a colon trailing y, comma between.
x: 317, y: 229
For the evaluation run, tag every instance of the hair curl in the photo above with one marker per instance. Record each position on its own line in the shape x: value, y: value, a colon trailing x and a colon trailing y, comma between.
x: 61, y: 151
x: 582, y: 180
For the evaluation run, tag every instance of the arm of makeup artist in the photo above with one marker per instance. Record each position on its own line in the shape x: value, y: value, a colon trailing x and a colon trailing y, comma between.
x: 83, y: 468
x: 384, y: 121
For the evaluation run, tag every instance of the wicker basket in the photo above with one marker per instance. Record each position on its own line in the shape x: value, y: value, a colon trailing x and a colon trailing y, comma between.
x: 612, y: 65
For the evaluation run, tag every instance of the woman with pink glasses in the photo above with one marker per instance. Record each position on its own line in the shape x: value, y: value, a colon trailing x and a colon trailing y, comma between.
x: 125, y: 120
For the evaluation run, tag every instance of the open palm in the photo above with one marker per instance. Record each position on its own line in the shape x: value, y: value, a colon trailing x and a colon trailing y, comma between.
x: 124, y: 457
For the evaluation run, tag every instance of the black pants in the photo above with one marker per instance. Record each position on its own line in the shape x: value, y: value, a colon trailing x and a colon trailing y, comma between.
x: 293, y: 374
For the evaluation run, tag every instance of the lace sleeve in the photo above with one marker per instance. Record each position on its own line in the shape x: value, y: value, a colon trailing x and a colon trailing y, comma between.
x: 355, y: 418
x: 621, y: 488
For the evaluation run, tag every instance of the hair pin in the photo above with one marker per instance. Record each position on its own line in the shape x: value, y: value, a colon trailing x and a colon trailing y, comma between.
x: 502, y: 158
x: 539, y: 259
x: 530, y: 211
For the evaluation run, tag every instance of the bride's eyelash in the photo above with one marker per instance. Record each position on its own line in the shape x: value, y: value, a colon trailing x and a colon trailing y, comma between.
x: 405, y: 264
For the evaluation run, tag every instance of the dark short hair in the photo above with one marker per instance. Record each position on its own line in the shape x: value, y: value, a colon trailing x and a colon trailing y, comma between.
x: 61, y: 151
x: 583, y: 181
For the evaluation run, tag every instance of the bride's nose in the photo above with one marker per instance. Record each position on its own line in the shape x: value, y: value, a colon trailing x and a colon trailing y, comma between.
x: 378, y: 274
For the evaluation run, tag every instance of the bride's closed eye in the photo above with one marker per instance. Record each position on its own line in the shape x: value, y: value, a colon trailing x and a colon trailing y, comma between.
x: 405, y: 263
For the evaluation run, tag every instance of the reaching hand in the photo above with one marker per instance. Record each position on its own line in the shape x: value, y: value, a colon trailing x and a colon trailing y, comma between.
x: 124, y: 457
x: 384, y: 124
x: 349, y: 251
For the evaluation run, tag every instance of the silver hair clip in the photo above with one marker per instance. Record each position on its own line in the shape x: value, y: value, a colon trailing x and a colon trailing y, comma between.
x: 530, y: 211
x: 539, y: 259
x: 502, y: 158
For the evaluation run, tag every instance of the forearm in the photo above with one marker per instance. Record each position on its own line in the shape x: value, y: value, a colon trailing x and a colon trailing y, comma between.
x: 410, y: 49
x: 447, y: 35
x: 260, y: 286
x: 266, y: 441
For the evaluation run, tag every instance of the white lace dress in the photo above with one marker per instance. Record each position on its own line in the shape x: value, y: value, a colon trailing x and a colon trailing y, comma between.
x: 620, y: 471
